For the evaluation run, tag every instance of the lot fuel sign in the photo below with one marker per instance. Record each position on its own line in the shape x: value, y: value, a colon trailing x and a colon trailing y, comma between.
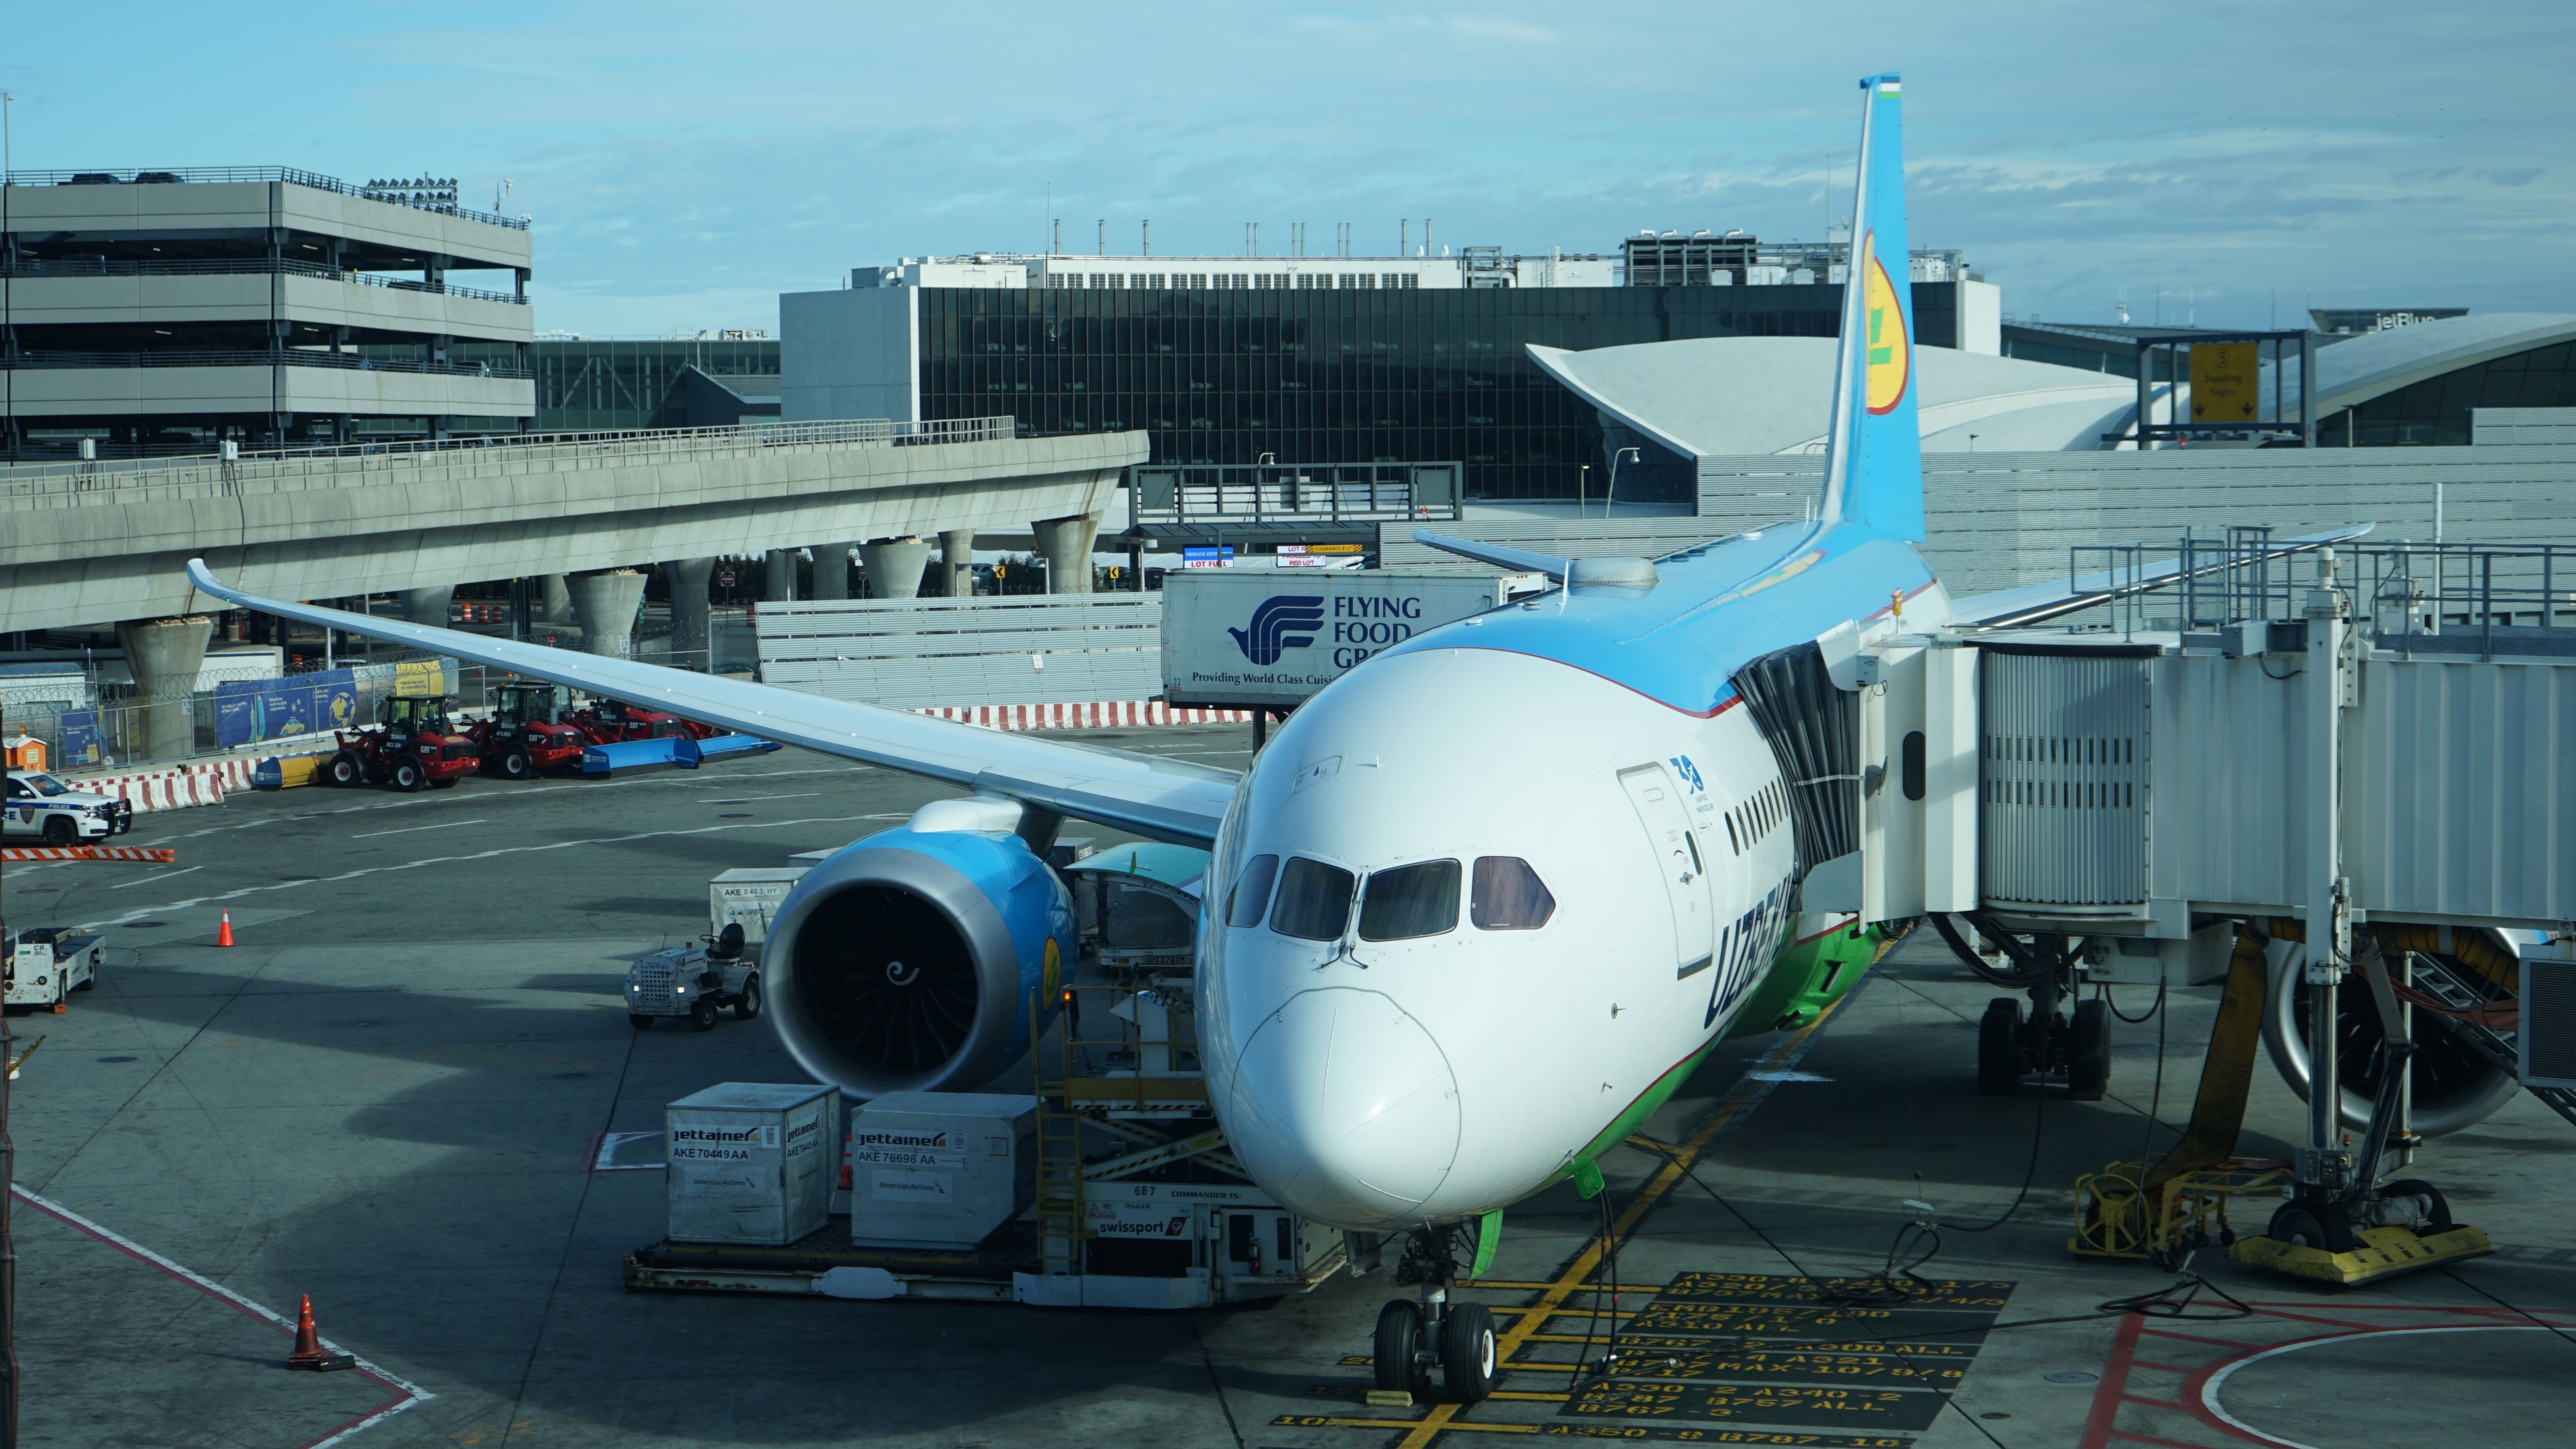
x: 1246, y: 638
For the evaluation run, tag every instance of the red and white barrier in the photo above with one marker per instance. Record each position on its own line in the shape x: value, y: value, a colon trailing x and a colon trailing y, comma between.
x: 172, y: 789
x: 147, y: 854
x: 1095, y: 715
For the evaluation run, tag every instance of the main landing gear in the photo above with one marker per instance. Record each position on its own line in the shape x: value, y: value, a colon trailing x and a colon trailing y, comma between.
x: 2073, y: 1048
x: 1428, y: 1331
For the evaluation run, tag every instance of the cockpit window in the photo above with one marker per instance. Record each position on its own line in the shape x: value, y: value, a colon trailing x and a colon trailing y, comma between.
x: 1409, y: 901
x: 1314, y: 900
x: 1508, y: 896
x: 1251, y: 891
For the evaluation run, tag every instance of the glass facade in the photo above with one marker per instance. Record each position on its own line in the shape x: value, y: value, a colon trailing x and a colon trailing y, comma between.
x: 617, y: 382
x: 2436, y: 410
x: 1334, y: 376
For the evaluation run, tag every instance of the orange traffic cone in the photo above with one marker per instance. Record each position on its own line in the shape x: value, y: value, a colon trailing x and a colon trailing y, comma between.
x: 309, y: 1353
x: 224, y: 937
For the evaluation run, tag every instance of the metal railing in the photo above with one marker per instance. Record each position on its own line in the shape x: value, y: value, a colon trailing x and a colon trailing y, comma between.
x: 2435, y: 597
x: 239, y: 266
x: 111, y: 176
x: 248, y: 357
x: 352, y: 465
x: 1321, y: 493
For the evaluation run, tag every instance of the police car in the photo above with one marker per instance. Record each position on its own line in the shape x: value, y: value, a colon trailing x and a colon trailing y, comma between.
x: 40, y: 807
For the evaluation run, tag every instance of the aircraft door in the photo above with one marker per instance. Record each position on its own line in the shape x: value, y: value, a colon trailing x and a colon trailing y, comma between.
x: 1658, y: 801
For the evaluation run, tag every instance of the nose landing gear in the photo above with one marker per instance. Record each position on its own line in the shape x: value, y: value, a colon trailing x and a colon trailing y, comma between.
x: 1428, y: 1331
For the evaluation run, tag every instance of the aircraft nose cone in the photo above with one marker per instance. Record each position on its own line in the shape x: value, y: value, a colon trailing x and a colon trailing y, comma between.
x: 1345, y: 1108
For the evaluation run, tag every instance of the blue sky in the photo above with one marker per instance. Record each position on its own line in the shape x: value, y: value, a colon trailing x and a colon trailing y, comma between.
x: 686, y: 163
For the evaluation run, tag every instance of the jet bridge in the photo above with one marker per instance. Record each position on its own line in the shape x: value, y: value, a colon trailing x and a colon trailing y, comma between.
x: 2363, y: 759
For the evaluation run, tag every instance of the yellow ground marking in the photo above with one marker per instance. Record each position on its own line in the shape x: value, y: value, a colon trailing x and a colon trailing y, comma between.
x: 1311, y: 1421
x: 1553, y: 1294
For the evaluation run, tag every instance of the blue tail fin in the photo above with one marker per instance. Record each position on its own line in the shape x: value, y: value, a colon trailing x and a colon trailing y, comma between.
x: 1874, y: 452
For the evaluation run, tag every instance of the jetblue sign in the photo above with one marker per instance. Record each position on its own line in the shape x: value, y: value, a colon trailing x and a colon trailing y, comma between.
x: 1241, y: 639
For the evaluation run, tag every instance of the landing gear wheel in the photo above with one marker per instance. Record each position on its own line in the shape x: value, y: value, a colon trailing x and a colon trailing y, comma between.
x: 1999, y: 1048
x: 2088, y: 1051
x: 1467, y: 1352
x: 702, y: 1014
x: 2313, y: 1225
x: 59, y: 831
x: 746, y: 1007
x: 407, y: 774
x: 514, y: 764
x: 1399, y: 1346
x: 343, y: 770
x: 640, y: 1023
x: 2437, y: 1217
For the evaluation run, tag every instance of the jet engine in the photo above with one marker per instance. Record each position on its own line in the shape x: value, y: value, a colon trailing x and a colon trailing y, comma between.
x: 910, y: 960
x: 2454, y: 1086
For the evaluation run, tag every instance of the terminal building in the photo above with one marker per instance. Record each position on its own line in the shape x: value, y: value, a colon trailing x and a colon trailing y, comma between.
x: 1317, y: 359
x: 170, y: 311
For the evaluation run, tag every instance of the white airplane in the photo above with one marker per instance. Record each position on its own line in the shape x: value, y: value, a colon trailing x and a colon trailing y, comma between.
x: 1476, y: 910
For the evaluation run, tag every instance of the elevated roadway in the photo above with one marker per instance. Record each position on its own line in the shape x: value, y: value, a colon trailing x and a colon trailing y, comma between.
x: 95, y: 542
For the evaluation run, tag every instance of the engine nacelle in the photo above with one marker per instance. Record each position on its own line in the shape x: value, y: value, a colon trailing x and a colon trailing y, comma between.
x: 2453, y: 1086
x: 908, y: 962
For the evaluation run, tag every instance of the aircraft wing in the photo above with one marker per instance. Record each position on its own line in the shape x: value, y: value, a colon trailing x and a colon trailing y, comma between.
x: 2038, y: 603
x: 1164, y: 799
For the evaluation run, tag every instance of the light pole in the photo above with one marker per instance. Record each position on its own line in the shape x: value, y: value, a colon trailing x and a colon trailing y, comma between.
x: 1583, y: 491
x: 1612, y: 496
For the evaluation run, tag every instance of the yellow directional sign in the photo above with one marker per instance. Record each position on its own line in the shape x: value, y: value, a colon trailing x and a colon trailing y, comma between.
x: 2226, y: 381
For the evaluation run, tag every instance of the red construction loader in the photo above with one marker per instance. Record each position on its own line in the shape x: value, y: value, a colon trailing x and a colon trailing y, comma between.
x: 526, y: 735
x: 410, y: 746
x: 608, y: 721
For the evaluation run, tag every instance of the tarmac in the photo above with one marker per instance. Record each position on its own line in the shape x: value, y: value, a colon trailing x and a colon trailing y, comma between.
x: 391, y: 1093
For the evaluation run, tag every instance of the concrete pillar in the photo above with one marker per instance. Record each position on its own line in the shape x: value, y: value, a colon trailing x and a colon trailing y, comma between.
x: 164, y: 656
x: 957, y: 561
x: 831, y: 570
x: 558, y: 600
x: 782, y: 574
x: 1066, y: 544
x: 428, y: 606
x: 689, y: 637
x: 894, y: 567
x: 604, y: 605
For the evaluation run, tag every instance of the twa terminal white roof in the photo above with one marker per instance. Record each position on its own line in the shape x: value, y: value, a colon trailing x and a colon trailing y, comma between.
x: 1743, y: 395
x: 2375, y: 363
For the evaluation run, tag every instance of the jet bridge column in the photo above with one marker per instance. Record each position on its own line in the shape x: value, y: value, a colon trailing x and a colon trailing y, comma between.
x: 2323, y: 1164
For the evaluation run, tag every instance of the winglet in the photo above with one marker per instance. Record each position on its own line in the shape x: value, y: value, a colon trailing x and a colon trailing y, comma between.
x: 1874, y: 447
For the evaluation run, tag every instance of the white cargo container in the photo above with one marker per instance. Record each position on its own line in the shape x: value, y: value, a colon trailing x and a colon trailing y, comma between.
x: 940, y: 1169
x: 749, y: 898
x: 748, y: 1162
x: 1258, y: 639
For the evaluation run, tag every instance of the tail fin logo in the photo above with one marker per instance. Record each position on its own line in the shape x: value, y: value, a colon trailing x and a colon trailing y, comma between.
x: 1272, y: 625
x: 1889, y: 359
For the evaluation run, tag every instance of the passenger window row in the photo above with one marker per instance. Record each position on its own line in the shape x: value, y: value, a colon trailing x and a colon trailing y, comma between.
x: 1312, y: 900
x: 1766, y: 811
